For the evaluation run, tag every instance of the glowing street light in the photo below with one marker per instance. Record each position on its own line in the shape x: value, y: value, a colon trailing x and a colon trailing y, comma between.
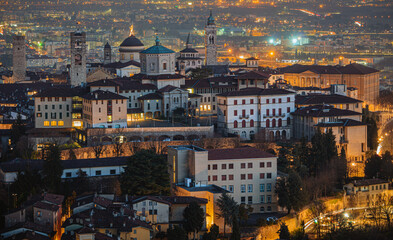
x: 271, y: 53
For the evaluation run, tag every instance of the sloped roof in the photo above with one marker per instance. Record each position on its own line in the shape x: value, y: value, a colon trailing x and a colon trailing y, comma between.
x: 344, y: 122
x: 256, y: 91
x: 253, y: 75
x: 353, y: 68
x: 151, y: 96
x: 323, y: 111
x: 102, y: 95
x: 324, y: 99
x: 122, y: 64
x: 237, y: 153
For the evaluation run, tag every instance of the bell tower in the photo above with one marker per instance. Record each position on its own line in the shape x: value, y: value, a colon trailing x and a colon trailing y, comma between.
x: 78, y: 58
x: 18, y: 58
x: 210, y: 41
x: 107, y: 53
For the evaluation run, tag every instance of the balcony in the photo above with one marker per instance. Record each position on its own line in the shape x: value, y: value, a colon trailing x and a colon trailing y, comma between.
x: 244, y: 116
x: 274, y: 116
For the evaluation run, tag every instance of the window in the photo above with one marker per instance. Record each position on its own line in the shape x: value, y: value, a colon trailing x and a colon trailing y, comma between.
x: 98, y: 173
x: 39, y: 114
x: 243, y: 200
x: 61, y: 123
x: 223, y: 177
x: 244, y: 101
x: 243, y: 188
x: 242, y: 176
x: 262, y: 198
x: 223, y: 166
x: 243, y: 112
x: 249, y: 188
x: 242, y: 165
x: 269, y: 208
x: 208, y: 167
x: 269, y: 175
x: 269, y: 198
x: 267, y: 101
x: 164, y: 66
x: 262, y: 209
x: 267, y: 123
x: 230, y: 177
x: 214, y: 166
x: 230, y: 188
x: 244, y: 123
x: 249, y: 199
x: 235, y: 102
x: 208, y: 178
x: 230, y: 166
x: 262, y: 176
x: 224, y: 187
x: 53, y: 123
x: 262, y: 187
x: 251, y: 123
x: 279, y: 100
x: 251, y: 111
x: 249, y: 165
x: 46, y: 106
x: 288, y: 109
x: 261, y: 164
x: 288, y: 99
x: 268, y: 187
x: 269, y: 164
x: 235, y: 124
x: 38, y: 107
x: 113, y: 171
x: 274, y: 112
x: 235, y: 113
x: 46, y: 123
x: 214, y: 177
x: 273, y: 100
x: 68, y: 174
x: 251, y: 101
x: 249, y: 176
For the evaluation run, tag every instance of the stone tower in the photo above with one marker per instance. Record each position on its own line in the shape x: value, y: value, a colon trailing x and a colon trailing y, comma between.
x: 18, y: 58
x: 210, y: 41
x: 78, y: 58
x: 107, y: 53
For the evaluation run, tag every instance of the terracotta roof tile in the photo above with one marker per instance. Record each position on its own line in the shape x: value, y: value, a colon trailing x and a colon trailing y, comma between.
x: 238, y: 153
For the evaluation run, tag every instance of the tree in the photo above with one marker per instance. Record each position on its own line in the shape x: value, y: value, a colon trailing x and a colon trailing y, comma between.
x: 193, y: 218
x: 200, y: 73
x: 118, y: 147
x: 290, y: 192
x: 341, y: 167
x: 244, y: 212
x: 27, y: 183
x: 213, y: 233
x: 98, y: 148
x: 146, y: 173
x: 317, y: 208
x: 372, y: 129
x: 176, y: 233
x: 52, y: 168
x: 386, y: 168
x: 373, y: 165
x: 235, y: 224
x: 227, y: 209
x: 284, y: 232
x: 18, y: 130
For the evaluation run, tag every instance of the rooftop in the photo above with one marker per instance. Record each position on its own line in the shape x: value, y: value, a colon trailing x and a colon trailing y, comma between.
x: 238, y: 153
x: 323, y: 111
x: 102, y: 95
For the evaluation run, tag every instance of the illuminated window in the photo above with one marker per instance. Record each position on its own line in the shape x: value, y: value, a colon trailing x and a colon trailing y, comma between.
x: 208, y: 107
x: 46, y: 123
x: 53, y: 123
x: 61, y: 123
x: 109, y: 118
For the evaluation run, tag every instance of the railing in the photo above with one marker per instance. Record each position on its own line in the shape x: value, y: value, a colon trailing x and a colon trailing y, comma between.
x: 244, y: 116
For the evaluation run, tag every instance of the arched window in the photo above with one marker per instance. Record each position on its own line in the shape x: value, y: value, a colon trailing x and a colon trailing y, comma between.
x: 274, y: 123
x: 244, y: 123
x: 235, y: 124
x: 252, y: 123
x: 279, y: 122
x: 267, y: 123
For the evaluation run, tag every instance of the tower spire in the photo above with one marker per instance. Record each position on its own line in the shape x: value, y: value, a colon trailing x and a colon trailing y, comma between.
x: 157, y: 41
x: 188, y: 43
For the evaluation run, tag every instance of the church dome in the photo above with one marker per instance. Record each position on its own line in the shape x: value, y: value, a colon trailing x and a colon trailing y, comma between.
x: 131, y: 41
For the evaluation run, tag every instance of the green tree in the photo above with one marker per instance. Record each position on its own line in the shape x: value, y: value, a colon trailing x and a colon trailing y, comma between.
x: 176, y: 233
x: 146, y: 173
x: 52, y: 168
x: 244, y: 212
x: 283, y: 232
x: 213, y: 233
x: 301, y: 153
x: 227, y: 209
x: 235, y: 225
x: 373, y: 165
x: 193, y: 218
x: 27, y: 183
x: 290, y: 192
x: 372, y: 129
x: 386, y: 167
x: 341, y: 166
x: 284, y: 157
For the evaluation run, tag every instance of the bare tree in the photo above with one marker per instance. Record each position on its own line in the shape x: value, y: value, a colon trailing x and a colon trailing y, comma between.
x: 134, y: 146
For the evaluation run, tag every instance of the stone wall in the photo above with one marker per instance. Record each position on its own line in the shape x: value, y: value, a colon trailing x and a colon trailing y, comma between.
x: 128, y: 148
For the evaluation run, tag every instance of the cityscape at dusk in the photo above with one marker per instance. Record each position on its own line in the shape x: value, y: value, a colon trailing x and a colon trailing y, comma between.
x: 186, y: 119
